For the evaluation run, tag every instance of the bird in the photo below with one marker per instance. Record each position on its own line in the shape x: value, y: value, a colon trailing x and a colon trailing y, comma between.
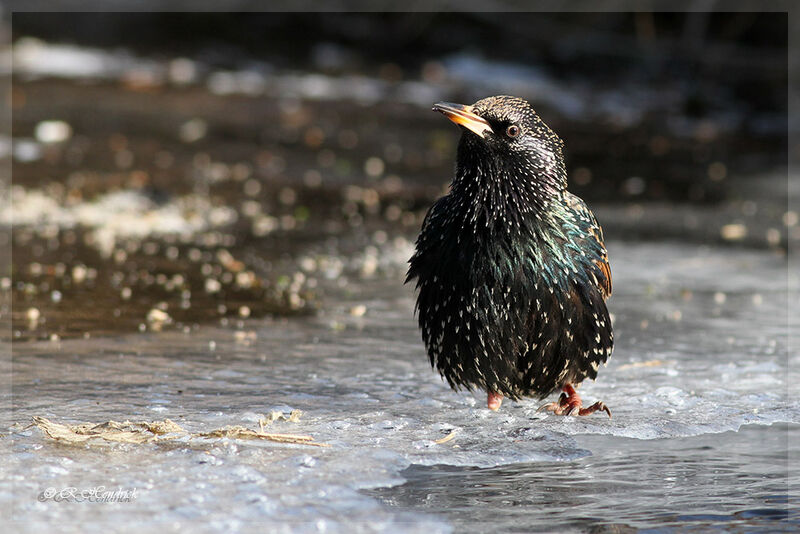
x: 511, y: 270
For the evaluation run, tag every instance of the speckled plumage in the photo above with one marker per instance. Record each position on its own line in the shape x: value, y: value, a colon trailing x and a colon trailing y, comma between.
x: 511, y: 270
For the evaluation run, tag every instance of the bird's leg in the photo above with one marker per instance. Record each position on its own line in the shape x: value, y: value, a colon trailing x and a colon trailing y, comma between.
x: 570, y: 403
x: 494, y: 401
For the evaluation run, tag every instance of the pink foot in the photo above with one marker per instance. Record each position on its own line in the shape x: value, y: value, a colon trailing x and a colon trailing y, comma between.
x: 494, y: 401
x: 570, y: 403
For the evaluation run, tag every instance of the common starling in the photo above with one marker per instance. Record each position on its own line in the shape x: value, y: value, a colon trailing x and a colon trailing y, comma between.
x: 511, y: 270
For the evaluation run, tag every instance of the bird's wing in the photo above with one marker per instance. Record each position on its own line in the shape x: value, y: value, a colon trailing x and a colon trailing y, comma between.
x: 594, y: 236
x: 429, y: 239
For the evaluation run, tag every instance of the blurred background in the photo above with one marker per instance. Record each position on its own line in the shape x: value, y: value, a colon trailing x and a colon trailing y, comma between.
x: 175, y: 169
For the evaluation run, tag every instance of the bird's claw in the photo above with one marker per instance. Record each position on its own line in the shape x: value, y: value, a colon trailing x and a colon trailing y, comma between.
x: 555, y: 407
x: 597, y: 406
x: 571, y: 404
x: 549, y: 407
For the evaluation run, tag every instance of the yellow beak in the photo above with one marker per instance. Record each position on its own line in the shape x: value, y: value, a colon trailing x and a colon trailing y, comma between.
x: 463, y: 116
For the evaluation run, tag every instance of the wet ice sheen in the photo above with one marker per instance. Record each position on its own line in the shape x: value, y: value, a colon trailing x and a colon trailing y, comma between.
x: 368, y: 391
x: 693, y: 484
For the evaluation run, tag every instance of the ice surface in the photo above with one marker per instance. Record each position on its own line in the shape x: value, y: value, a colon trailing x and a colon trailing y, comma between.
x: 735, y: 481
x: 701, y: 349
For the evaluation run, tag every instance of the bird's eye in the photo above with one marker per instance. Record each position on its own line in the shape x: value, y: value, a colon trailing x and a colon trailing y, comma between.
x: 512, y: 131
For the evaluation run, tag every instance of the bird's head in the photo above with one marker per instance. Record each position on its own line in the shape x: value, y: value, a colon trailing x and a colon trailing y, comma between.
x: 504, y: 138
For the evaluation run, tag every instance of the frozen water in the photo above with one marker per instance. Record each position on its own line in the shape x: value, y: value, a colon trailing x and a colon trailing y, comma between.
x: 701, y: 351
x: 692, y: 484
